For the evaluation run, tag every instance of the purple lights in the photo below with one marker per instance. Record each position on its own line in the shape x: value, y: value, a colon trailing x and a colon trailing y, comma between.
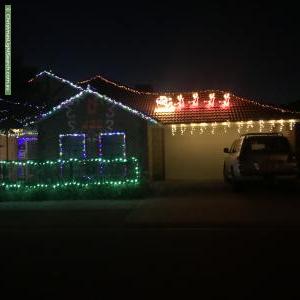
x: 23, y: 146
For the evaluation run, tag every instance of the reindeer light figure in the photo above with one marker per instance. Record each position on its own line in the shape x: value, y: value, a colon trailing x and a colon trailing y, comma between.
x: 180, y: 103
x: 195, y: 101
x: 225, y: 102
x: 211, y: 102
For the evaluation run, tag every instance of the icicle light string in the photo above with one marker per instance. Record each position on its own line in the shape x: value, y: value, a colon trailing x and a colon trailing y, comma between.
x: 262, y: 125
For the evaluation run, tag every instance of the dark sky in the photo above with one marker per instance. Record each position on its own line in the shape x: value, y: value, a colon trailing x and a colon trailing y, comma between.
x: 251, y: 49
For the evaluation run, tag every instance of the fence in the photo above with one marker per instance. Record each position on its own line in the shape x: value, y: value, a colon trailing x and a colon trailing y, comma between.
x: 32, y: 174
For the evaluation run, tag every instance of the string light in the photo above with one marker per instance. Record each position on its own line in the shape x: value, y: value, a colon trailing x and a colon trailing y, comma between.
x: 66, y: 184
x: 272, y: 125
x: 213, y: 127
x: 75, y: 98
x: 38, y: 107
x: 40, y: 165
x: 292, y: 124
x: 281, y: 123
x: 226, y: 125
x: 182, y: 128
x: 249, y: 124
x: 192, y: 128
x: 3, y: 119
x: 240, y: 126
x: 261, y: 125
x: 72, y: 135
x: 203, y: 127
x: 128, y: 89
x: 66, y: 161
x: 170, y: 107
x: 114, y: 133
x: 125, y: 107
x: 62, y: 105
x: 50, y: 74
x: 172, y: 93
x: 19, y: 132
x: 174, y: 129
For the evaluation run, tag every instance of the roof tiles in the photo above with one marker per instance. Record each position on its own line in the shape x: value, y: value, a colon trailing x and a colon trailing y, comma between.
x: 239, y: 109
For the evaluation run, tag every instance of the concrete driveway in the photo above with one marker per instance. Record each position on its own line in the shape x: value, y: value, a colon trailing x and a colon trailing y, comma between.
x: 214, y: 204
x: 173, y: 205
x: 204, y: 238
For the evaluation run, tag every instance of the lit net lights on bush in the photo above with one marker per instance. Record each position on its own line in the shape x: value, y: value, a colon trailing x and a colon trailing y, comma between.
x: 134, y: 179
x: 76, y: 136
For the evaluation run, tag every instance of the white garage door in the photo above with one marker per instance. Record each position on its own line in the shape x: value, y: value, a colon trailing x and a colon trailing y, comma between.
x: 199, y: 156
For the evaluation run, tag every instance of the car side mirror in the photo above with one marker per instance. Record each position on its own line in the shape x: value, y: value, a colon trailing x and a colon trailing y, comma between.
x: 226, y: 150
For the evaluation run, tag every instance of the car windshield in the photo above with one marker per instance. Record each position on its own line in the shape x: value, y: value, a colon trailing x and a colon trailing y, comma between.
x: 266, y: 144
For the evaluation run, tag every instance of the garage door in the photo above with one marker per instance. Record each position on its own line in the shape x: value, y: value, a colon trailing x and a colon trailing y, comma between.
x: 195, y: 156
x: 198, y: 156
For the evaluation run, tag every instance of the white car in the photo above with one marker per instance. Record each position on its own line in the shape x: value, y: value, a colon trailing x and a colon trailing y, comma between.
x: 260, y: 156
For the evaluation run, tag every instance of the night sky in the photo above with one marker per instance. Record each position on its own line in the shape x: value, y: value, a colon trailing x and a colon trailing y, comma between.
x: 251, y: 49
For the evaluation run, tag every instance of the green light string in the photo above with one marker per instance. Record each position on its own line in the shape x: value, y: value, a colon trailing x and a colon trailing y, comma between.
x: 65, y: 161
x: 135, y: 180
x: 66, y: 184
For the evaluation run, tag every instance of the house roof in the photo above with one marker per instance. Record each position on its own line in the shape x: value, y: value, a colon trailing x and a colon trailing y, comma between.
x: 239, y: 109
x: 144, y: 104
x: 48, y: 89
x: 58, y: 93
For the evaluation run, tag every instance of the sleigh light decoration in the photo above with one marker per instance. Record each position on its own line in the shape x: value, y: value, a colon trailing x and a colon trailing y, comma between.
x: 165, y: 104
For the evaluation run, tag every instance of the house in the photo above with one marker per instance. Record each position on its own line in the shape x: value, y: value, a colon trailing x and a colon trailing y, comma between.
x: 176, y: 136
x: 14, y: 141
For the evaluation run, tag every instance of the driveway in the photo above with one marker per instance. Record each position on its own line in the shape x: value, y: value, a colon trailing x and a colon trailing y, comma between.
x: 205, y: 238
x: 174, y: 205
x: 218, y: 205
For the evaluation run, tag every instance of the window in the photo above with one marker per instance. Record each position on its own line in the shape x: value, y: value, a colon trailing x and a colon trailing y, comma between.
x: 270, y: 145
x: 234, y: 146
x: 27, y: 147
x: 112, y: 145
x: 72, y: 146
